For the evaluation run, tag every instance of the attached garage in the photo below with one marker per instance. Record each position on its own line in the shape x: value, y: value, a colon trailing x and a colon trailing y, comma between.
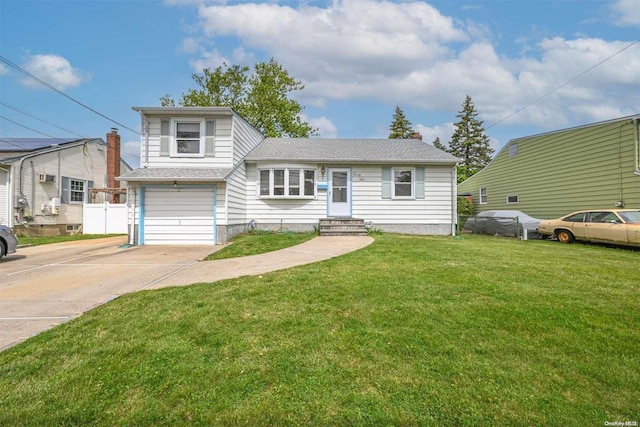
x: 183, y: 215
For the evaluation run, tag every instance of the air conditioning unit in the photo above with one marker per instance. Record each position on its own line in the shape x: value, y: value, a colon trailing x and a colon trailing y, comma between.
x: 43, y: 177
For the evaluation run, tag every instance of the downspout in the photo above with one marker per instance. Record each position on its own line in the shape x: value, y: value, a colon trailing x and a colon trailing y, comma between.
x: 10, y: 197
x: 637, y: 134
x: 51, y: 150
x: 145, y: 129
x: 454, y: 199
x: 133, y: 213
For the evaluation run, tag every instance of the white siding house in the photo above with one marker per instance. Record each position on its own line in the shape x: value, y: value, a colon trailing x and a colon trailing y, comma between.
x: 206, y: 174
x: 45, y: 181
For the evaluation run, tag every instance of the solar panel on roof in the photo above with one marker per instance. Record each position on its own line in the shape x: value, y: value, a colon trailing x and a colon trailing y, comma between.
x: 31, y: 144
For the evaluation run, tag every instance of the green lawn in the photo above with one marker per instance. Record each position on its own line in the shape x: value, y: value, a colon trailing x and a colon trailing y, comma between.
x: 407, y: 331
x: 260, y: 242
x: 44, y: 240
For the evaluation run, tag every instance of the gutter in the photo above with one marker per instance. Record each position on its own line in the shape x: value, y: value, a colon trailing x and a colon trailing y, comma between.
x: 10, y: 199
x: 47, y: 151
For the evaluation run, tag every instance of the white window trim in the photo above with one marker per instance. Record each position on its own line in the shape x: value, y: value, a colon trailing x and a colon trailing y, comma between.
x: 486, y: 195
x: 413, y: 183
x: 517, y: 196
x: 286, y: 195
x: 174, y: 143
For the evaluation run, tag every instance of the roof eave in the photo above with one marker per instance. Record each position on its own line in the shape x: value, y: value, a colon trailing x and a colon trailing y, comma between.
x: 354, y: 161
x: 184, y: 111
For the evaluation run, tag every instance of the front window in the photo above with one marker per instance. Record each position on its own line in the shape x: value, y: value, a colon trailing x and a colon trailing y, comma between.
x: 287, y: 183
x: 403, y: 183
x: 76, y: 190
x: 483, y: 196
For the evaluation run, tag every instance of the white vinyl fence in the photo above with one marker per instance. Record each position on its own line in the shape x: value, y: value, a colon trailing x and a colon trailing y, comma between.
x: 104, y: 218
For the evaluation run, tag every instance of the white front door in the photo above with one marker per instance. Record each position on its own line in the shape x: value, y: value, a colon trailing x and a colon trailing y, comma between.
x: 340, y: 192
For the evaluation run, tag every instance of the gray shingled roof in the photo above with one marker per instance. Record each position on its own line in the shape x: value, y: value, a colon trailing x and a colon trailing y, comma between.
x: 332, y: 150
x: 174, y: 174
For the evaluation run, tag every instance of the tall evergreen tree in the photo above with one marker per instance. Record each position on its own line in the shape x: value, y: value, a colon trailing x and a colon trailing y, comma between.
x: 469, y: 142
x: 400, y: 127
x: 439, y: 145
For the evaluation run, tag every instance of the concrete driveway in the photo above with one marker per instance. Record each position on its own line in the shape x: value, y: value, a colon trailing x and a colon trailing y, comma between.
x: 44, y: 286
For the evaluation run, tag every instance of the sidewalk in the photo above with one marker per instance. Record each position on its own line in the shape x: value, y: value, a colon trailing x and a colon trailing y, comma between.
x: 316, y: 249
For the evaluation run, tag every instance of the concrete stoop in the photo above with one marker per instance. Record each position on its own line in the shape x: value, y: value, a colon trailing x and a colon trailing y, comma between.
x: 342, y: 227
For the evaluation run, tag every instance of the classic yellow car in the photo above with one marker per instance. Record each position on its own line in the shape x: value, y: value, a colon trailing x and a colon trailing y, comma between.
x: 615, y: 226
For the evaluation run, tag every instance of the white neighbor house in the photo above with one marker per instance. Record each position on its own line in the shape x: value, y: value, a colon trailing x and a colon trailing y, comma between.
x: 45, y: 181
x: 206, y: 174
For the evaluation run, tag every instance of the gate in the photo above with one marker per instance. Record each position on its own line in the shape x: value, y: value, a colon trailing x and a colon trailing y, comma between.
x: 104, y: 218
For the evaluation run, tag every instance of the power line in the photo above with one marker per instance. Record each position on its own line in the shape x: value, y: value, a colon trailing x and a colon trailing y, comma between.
x: 31, y: 129
x: 136, y: 155
x: 25, y: 72
x: 42, y: 120
x: 563, y: 85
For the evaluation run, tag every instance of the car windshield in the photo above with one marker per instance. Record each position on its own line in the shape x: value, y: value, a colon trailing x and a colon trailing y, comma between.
x: 630, y: 216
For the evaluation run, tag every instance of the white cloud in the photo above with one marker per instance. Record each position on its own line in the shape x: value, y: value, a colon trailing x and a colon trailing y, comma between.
x: 130, y: 152
x: 626, y: 12
x: 3, y: 70
x: 408, y: 53
x: 326, y: 129
x: 53, y: 69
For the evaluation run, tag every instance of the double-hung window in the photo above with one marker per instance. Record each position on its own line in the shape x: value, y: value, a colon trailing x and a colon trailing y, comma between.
x: 483, y: 196
x: 187, y: 138
x: 75, y: 190
x: 403, y: 183
x: 287, y: 183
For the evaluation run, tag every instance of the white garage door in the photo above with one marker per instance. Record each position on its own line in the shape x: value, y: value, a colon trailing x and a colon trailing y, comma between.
x: 179, y: 216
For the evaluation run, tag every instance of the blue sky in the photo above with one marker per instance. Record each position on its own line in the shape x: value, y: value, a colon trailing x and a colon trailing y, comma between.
x: 357, y: 58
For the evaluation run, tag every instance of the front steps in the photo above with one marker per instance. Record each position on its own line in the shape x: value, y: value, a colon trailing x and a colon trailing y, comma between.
x: 342, y: 227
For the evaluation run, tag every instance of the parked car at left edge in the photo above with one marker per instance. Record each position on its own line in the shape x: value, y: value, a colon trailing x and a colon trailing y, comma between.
x: 8, y: 241
x: 613, y: 226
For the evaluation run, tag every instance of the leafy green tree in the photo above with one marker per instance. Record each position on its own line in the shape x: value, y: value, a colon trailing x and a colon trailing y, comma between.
x: 469, y: 142
x: 261, y: 98
x: 400, y: 127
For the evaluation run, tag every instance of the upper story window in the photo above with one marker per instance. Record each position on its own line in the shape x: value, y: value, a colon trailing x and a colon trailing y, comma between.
x: 187, y: 138
x: 287, y: 183
x: 483, y: 196
x: 513, y: 150
x: 403, y: 183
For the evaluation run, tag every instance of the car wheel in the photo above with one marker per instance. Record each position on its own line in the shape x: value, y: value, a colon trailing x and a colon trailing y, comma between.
x: 3, y: 249
x: 565, y: 236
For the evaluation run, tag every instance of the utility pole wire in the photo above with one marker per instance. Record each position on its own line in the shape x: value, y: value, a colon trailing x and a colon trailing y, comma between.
x: 16, y: 67
x: 42, y: 120
x: 33, y: 130
x: 563, y: 84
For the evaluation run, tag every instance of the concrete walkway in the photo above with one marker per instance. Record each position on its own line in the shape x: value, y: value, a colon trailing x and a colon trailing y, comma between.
x: 314, y: 250
x: 44, y: 286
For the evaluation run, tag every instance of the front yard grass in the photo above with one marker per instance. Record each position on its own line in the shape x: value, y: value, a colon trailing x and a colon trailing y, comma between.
x: 407, y: 331
x: 44, y: 240
x: 260, y: 242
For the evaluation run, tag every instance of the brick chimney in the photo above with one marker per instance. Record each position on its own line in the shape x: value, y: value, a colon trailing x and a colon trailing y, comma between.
x: 416, y: 135
x: 113, y: 162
